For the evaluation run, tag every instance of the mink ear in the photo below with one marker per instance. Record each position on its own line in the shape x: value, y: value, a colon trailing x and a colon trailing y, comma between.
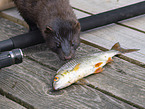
x: 77, y: 25
x: 48, y: 29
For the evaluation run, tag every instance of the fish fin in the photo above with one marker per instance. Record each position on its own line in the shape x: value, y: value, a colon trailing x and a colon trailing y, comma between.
x: 117, y: 47
x: 109, y: 60
x: 76, y: 67
x: 98, y: 64
x: 82, y: 82
x: 100, y: 69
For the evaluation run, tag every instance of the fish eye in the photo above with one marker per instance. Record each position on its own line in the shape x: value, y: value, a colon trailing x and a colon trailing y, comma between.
x: 56, y: 78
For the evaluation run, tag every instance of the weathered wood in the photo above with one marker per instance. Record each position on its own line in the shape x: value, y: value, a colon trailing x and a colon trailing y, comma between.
x: 8, y: 29
x: 10, y: 13
x: 136, y: 22
x: 8, y: 104
x: 13, y: 15
x: 98, y: 6
x: 29, y: 83
x: 5, y: 4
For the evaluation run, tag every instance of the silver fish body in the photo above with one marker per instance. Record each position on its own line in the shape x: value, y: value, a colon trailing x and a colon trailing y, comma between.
x: 76, y: 69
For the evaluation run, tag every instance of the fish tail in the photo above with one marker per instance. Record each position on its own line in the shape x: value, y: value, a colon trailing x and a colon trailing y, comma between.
x: 117, y: 47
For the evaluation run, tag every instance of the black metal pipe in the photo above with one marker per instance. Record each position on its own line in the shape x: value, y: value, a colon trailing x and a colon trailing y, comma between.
x: 87, y: 23
x: 112, y: 16
x: 22, y: 41
x: 9, y: 58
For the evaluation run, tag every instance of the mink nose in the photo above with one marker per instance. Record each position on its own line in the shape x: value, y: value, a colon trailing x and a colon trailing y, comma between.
x: 67, y: 57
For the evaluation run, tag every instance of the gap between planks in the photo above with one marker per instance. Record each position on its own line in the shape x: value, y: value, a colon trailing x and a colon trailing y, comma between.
x: 15, y: 99
x: 124, y: 25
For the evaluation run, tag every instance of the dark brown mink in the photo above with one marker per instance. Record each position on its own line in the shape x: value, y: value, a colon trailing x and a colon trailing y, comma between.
x: 56, y: 21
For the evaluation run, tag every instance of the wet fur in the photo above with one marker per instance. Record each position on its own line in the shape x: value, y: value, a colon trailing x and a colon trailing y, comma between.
x: 57, y: 22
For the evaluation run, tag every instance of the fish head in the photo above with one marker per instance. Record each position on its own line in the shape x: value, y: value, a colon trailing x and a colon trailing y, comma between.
x: 61, y: 81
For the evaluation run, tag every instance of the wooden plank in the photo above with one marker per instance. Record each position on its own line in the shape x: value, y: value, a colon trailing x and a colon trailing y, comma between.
x: 5, y: 4
x: 29, y: 83
x: 13, y: 15
x: 98, y: 6
x: 136, y: 23
x: 8, y: 104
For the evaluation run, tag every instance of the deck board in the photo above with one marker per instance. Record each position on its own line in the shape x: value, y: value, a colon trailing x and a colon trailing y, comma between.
x: 8, y: 104
x: 30, y: 82
x: 98, y: 6
x: 136, y: 22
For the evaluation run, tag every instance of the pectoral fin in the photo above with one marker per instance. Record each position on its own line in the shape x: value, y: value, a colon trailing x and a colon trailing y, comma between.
x: 100, y: 69
x: 98, y: 64
x: 109, y: 60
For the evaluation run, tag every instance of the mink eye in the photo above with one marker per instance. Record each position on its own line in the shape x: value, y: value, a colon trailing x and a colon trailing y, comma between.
x: 56, y: 79
x: 58, y: 45
x: 73, y: 44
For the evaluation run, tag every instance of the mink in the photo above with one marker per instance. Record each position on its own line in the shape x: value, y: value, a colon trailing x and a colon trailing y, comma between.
x: 56, y: 21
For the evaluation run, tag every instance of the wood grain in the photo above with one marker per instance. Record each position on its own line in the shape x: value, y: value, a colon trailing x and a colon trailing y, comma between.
x: 30, y: 82
x: 8, y: 104
x: 136, y: 22
x: 32, y: 88
x: 5, y: 4
x: 13, y: 15
x: 98, y: 6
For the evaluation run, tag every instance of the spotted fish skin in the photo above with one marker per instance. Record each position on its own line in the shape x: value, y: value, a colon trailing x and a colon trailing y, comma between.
x: 76, y: 69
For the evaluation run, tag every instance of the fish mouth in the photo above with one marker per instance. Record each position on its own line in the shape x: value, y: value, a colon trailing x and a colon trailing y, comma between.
x: 54, y: 88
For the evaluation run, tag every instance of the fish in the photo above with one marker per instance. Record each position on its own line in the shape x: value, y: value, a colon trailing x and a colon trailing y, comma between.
x: 79, y: 68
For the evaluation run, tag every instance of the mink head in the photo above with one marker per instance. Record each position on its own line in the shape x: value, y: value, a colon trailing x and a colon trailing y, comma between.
x: 63, y: 37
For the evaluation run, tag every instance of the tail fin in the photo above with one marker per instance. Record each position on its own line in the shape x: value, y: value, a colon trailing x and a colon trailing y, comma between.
x: 122, y: 50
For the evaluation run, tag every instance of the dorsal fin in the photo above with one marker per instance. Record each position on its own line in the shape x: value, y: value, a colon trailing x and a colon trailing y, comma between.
x: 122, y: 50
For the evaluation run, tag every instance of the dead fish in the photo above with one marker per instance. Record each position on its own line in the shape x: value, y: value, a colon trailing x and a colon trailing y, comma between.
x: 76, y: 69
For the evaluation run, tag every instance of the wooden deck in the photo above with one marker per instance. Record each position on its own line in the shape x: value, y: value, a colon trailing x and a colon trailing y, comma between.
x: 120, y: 86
